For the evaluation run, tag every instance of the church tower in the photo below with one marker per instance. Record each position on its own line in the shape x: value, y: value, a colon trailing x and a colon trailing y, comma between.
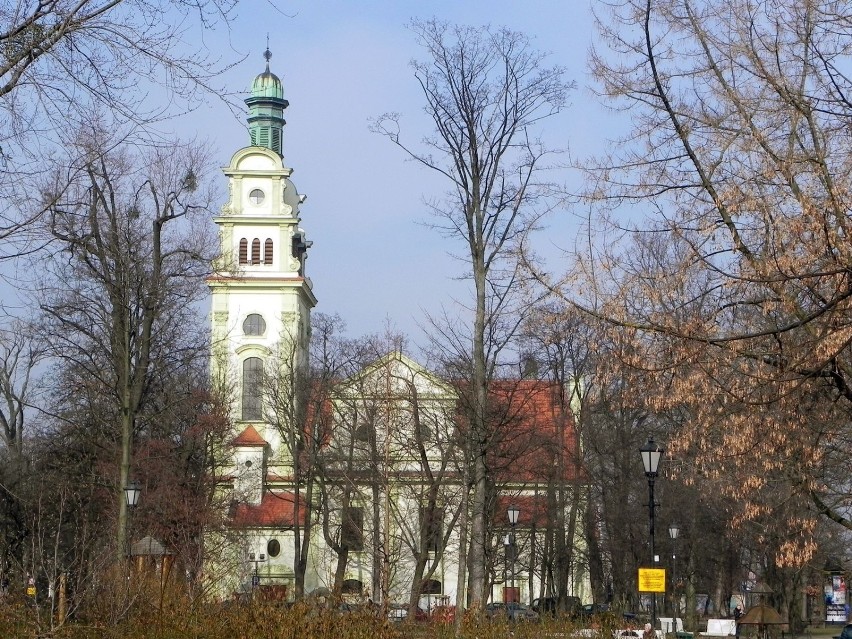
x: 261, y: 295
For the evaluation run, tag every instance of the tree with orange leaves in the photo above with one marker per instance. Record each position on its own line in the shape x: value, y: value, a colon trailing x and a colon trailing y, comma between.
x: 733, y: 295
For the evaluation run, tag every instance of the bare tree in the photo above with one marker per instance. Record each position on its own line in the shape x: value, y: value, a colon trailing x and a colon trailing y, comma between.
x: 399, y: 421
x: 298, y: 408
x: 559, y: 345
x: 128, y: 265
x: 20, y: 354
x: 63, y: 60
x: 485, y: 91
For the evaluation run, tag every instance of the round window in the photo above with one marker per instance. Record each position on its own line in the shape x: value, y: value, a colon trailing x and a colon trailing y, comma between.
x: 256, y: 197
x: 254, y: 325
x: 273, y: 548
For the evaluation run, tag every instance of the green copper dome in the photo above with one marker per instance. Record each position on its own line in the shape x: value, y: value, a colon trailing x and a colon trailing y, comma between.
x: 267, y: 85
x: 266, y: 110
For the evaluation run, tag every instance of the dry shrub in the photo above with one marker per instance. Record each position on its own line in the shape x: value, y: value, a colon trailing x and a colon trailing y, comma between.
x: 16, y: 620
x: 164, y: 613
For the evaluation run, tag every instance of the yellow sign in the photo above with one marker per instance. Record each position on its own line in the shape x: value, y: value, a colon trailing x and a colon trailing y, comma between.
x: 652, y: 580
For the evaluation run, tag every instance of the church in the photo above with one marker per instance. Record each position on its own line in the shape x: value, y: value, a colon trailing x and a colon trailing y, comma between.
x: 355, y: 489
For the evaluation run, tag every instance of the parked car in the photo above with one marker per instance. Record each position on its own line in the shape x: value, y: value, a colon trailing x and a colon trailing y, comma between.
x: 399, y: 612
x: 592, y: 609
x: 520, y: 612
x: 512, y: 611
x: 550, y: 606
x: 495, y: 609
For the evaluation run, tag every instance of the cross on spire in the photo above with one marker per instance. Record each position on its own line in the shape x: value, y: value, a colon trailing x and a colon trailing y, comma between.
x: 267, y: 54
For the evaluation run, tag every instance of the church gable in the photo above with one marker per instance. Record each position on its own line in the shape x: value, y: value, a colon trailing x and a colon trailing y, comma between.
x: 397, y: 406
x: 396, y: 375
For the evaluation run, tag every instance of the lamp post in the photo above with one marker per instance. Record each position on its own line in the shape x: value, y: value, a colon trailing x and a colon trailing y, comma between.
x: 651, y: 453
x: 674, y: 532
x: 507, y: 546
x: 514, y: 512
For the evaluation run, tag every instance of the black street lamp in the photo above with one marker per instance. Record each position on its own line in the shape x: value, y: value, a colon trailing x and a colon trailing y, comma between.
x: 651, y: 454
x: 132, y: 493
x: 674, y: 533
x: 507, y: 546
x: 514, y: 512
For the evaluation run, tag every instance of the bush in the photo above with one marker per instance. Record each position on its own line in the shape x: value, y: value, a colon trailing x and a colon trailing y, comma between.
x: 165, y: 614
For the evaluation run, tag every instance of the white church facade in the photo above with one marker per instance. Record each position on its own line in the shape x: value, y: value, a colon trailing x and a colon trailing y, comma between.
x: 359, y: 494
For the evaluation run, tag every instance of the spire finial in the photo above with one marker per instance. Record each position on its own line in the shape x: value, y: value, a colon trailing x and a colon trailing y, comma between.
x: 267, y: 54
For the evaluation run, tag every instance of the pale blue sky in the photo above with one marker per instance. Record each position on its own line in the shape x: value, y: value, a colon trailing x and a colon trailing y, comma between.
x: 343, y: 63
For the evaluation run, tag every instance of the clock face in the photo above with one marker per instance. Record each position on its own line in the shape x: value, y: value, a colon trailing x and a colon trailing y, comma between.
x: 256, y: 197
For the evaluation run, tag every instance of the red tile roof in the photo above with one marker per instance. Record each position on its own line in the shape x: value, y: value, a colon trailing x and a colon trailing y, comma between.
x: 533, y: 510
x: 532, y: 435
x: 276, y: 510
x: 249, y: 437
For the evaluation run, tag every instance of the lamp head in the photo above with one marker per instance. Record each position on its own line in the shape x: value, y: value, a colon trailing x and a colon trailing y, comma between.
x: 651, y: 453
x: 132, y: 492
x: 514, y: 512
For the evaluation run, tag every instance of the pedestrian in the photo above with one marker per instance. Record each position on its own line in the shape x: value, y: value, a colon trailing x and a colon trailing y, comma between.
x: 649, y: 632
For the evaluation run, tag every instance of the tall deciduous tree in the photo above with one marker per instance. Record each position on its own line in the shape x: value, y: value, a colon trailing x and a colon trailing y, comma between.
x: 62, y: 60
x: 119, y: 289
x: 20, y: 354
x: 559, y: 346
x: 740, y: 284
x: 485, y: 91
x: 298, y: 407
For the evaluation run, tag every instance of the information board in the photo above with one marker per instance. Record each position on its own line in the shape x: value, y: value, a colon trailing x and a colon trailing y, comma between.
x: 652, y: 580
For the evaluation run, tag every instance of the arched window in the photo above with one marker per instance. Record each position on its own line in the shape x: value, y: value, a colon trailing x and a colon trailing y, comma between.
x: 431, y: 587
x: 244, y: 251
x: 267, y: 252
x: 431, y: 533
x: 255, y: 251
x: 252, y: 378
x: 352, y: 529
x: 254, y: 325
